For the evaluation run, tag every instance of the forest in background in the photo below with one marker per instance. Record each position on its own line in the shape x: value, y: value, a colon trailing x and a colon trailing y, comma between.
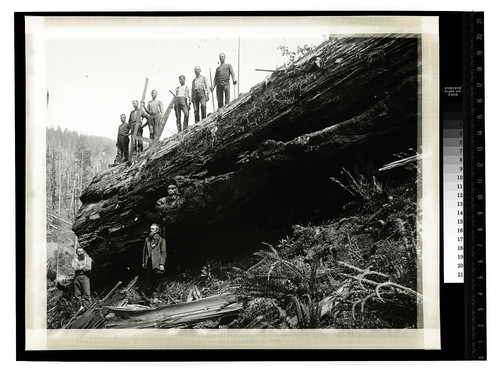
x: 72, y: 159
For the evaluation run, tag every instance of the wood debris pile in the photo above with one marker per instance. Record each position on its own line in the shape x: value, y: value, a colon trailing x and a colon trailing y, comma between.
x: 114, y: 311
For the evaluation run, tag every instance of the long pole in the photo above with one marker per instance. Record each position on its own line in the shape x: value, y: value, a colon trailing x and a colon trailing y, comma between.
x: 212, y: 91
x: 239, y: 43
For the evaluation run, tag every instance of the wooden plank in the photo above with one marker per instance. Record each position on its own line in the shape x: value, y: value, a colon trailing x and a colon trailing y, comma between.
x: 178, y: 321
x: 203, y: 304
x: 175, y: 315
x: 165, y: 117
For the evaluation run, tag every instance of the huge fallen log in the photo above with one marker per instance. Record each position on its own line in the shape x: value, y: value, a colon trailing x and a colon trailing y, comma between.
x: 249, y: 171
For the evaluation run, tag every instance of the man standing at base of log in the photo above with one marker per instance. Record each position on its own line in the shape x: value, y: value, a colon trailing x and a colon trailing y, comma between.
x: 82, y: 265
x: 122, y: 139
x: 154, y: 256
x: 199, y: 95
x: 221, y: 81
x: 155, y: 111
x: 135, y: 121
x: 182, y: 103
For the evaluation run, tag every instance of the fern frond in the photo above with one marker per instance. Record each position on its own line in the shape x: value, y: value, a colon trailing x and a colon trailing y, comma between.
x: 271, y: 270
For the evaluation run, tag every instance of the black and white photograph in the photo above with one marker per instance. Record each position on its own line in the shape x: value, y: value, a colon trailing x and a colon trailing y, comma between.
x: 232, y: 182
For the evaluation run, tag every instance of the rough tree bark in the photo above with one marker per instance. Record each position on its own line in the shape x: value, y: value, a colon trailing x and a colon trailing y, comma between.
x: 249, y: 171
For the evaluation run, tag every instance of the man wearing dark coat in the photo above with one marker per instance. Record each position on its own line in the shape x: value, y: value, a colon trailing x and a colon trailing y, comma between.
x: 154, y: 256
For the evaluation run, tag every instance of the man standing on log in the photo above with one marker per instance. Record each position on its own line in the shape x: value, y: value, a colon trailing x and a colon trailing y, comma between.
x: 199, y: 92
x: 122, y: 139
x: 82, y: 265
x: 182, y: 103
x: 135, y: 121
x: 221, y: 81
x: 155, y: 111
x: 154, y: 256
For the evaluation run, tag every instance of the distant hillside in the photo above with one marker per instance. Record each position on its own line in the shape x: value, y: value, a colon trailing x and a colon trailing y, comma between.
x: 72, y: 160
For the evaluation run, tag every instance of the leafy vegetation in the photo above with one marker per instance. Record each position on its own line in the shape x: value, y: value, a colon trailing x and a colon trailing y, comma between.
x: 356, y: 272
x: 292, y: 56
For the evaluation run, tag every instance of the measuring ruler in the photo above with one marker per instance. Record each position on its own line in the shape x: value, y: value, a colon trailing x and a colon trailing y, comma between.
x: 475, y: 272
x: 463, y: 184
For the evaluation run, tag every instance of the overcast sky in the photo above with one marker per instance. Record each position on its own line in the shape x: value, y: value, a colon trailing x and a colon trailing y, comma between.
x: 96, y: 67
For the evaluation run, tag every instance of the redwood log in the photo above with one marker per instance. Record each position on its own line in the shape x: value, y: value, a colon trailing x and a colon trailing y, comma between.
x: 252, y: 169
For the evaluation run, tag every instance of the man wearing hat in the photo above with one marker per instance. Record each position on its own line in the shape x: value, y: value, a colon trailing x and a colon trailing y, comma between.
x: 82, y: 265
x: 154, y: 256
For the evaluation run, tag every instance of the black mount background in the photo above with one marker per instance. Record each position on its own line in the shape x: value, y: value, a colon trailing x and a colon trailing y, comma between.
x: 455, y: 319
